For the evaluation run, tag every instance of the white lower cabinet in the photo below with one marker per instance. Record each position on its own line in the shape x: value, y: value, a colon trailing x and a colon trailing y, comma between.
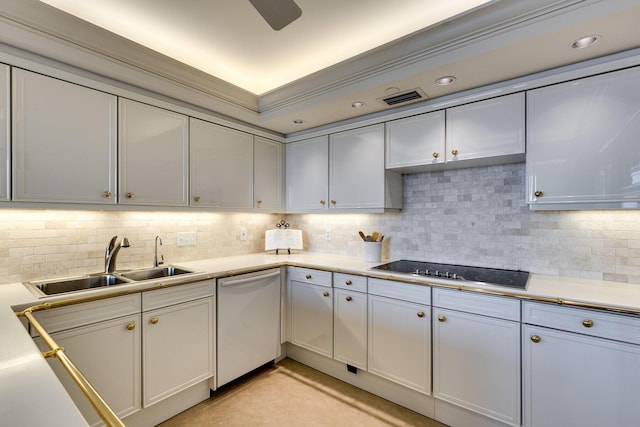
x: 350, y: 320
x: 578, y: 379
x: 476, y: 353
x: 399, y: 332
x: 104, y: 345
x: 311, y: 310
x: 177, y: 341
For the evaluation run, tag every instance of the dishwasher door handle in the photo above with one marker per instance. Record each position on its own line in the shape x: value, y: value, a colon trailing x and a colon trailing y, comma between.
x: 237, y: 282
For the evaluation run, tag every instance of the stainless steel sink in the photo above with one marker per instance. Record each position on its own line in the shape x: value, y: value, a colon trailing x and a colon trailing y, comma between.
x: 53, y: 287
x: 154, y: 273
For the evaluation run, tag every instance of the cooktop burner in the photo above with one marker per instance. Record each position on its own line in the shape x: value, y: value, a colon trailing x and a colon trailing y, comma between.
x: 491, y: 276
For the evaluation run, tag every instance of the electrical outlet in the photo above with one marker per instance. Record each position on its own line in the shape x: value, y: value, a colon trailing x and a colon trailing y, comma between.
x: 327, y: 234
x: 243, y: 234
x: 186, y: 238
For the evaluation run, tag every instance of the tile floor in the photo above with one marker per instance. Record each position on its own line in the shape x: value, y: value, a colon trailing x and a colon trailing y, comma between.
x: 289, y: 394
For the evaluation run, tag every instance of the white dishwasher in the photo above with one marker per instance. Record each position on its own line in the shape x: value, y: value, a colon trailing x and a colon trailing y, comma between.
x: 248, y: 323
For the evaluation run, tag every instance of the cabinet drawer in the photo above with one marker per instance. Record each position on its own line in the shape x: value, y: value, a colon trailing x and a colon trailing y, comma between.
x: 72, y: 316
x: 583, y: 321
x: 349, y: 281
x: 307, y: 275
x: 177, y: 294
x: 398, y: 290
x: 470, y: 302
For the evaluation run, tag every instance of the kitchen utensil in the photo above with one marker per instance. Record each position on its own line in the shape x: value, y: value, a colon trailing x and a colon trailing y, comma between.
x: 368, y: 239
x: 375, y: 236
x: 362, y: 235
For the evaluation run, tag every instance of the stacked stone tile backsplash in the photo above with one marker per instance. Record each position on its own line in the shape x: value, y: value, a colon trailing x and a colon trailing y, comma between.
x: 39, y: 244
x: 474, y: 216
x: 478, y: 216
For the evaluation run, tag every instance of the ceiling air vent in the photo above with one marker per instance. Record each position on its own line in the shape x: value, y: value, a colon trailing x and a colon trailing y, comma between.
x: 404, y: 97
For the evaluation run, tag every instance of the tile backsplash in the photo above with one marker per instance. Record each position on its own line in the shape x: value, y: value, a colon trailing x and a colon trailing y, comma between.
x: 474, y: 216
x: 478, y: 216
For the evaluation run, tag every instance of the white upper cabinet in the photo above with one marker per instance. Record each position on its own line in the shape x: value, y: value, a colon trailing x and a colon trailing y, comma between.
x: 582, y: 143
x: 5, y: 135
x: 221, y: 166
x: 416, y: 140
x: 357, y: 178
x: 490, y: 128
x: 344, y: 172
x: 64, y: 141
x: 308, y: 175
x: 154, y: 155
x: 268, y: 175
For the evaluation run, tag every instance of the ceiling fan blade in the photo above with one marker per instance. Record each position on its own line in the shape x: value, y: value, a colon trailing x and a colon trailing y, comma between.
x: 277, y: 13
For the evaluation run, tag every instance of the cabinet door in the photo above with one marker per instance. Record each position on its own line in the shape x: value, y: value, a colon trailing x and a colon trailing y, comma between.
x: 575, y: 380
x: 582, y: 139
x: 64, y: 141
x: 222, y: 166
x: 311, y: 317
x: 356, y: 168
x: 490, y: 128
x: 154, y: 155
x: 307, y: 175
x: 476, y: 363
x: 400, y: 342
x: 177, y: 348
x: 417, y: 140
x: 268, y: 176
x: 5, y: 134
x: 350, y: 327
x: 108, y: 355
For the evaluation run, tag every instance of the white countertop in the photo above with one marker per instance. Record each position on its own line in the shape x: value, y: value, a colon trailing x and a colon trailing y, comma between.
x: 31, y: 395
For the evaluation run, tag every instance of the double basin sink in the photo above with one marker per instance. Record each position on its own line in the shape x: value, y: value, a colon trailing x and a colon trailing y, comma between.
x: 100, y: 280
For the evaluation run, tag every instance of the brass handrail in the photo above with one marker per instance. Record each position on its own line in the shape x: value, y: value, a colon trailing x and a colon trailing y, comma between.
x: 101, y: 407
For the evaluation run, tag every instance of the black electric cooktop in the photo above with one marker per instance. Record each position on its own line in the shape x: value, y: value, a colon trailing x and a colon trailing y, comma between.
x: 490, y: 276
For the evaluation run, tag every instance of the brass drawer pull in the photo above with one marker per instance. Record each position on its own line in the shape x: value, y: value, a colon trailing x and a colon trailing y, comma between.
x: 322, y: 202
x: 536, y: 338
x: 196, y: 199
x: 436, y: 154
x: 308, y: 276
x: 538, y: 193
x: 421, y: 314
x: 348, y: 298
x: 131, y: 326
x: 454, y: 152
x: 153, y: 320
x: 107, y: 194
x: 129, y: 195
x: 348, y: 282
x: 325, y: 294
x: 333, y: 202
x: 587, y: 323
x: 441, y: 318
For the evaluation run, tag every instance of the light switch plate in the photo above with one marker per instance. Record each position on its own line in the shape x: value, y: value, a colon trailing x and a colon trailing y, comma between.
x: 186, y: 238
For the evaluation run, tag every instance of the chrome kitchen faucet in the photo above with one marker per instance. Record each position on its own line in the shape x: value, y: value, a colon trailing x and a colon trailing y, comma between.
x: 155, y: 253
x: 112, y: 252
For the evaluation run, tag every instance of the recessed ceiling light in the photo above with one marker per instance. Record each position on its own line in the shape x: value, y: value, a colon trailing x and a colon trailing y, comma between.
x: 298, y: 121
x: 446, y: 80
x: 586, y: 41
x: 358, y: 104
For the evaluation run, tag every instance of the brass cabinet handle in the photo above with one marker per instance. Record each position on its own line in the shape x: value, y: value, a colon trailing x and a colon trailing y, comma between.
x: 348, y: 282
x: 322, y: 202
x: 441, y: 318
x: 587, y: 323
x: 538, y: 193
x: 333, y: 202
x: 348, y: 298
x: 131, y: 326
x: 535, y: 338
x: 258, y: 202
x: 153, y: 320
x: 325, y: 294
x: 129, y: 195
x: 308, y: 276
x: 436, y: 154
x: 196, y: 199
x: 421, y: 314
x: 107, y: 194
x: 454, y: 152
